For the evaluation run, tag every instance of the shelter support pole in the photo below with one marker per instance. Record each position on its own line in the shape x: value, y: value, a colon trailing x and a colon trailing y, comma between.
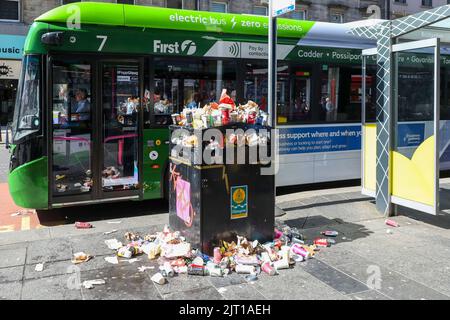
x: 384, y: 122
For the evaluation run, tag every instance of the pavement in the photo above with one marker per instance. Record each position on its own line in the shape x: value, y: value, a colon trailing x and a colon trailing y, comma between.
x: 367, y: 263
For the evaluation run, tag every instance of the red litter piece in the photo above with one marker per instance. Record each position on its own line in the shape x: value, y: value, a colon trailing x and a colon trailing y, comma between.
x: 392, y: 223
x: 83, y: 225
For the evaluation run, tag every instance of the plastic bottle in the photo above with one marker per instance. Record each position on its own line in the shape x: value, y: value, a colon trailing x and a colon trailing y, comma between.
x: 330, y: 233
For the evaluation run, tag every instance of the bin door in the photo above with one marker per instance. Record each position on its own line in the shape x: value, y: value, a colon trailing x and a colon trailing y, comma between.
x: 414, y: 157
x: 369, y: 127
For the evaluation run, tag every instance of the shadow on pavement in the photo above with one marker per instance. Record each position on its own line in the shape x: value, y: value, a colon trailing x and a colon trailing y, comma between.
x: 326, y: 204
x: 311, y: 225
x: 103, y: 211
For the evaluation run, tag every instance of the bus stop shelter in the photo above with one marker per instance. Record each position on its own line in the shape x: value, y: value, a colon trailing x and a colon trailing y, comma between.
x: 406, y: 146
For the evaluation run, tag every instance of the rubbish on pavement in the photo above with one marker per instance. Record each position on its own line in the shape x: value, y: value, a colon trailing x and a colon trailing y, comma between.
x: 278, y: 234
x: 132, y: 237
x: 114, y: 222
x: 143, y: 268
x: 167, y: 270
x: 267, y: 268
x: 198, y: 262
x: 112, y: 260
x: 159, y: 279
x: 251, y: 278
x: 127, y: 252
x: 109, y: 232
x: 197, y: 271
x: 295, y: 240
x: 300, y: 251
x: 176, y: 250
x: 23, y: 212
x: 217, y: 255
x: 330, y: 233
x: 131, y: 261
x: 389, y: 231
x: 222, y: 290
x: 81, y: 257
x: 245, y: 269
x: 321, y: 242
x: 91, y: 283
x: 392, y: 223
x: 83, y: 225
x: 113, y: 244
x: 214, y: 270
x: 39, y: 267
x: 175, y: 255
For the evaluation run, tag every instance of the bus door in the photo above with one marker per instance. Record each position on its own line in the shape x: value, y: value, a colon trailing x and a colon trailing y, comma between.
x: 95, y: 118
x: 71, y: 142
x: 120, y: 108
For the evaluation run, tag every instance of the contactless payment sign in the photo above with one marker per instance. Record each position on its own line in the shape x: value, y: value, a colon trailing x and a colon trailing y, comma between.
x: 239, y: 202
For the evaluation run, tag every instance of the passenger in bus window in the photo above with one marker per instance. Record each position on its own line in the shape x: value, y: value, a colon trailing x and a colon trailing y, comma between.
x: 192, y: 103
x: 329, y: 107
x: 82, y: 105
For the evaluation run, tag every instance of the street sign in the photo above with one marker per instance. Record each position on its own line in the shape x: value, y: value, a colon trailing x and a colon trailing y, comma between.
x: 281, y: 7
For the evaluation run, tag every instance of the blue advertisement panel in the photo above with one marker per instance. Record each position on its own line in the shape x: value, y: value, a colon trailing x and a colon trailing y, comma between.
x: 319, y: 139
x: 340, y: 138
x: 11, y: 47
x: 411, y: 135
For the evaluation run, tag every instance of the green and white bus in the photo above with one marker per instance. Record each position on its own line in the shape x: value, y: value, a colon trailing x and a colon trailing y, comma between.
x: 100, y: 82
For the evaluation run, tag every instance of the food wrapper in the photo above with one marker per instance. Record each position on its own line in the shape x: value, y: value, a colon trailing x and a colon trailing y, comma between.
x: 81, y: 257
x: 225, y: 99
x: 172, y: 251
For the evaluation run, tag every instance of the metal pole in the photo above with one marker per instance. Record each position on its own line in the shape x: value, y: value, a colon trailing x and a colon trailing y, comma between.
x: 272, y: 76
x: 272, y: 84
x: 388, y: 10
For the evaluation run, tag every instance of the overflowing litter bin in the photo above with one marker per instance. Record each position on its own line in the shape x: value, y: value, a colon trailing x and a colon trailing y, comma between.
x: 211, y: 202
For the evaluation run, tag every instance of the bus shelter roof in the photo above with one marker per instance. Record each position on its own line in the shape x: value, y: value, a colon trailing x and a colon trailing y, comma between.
x: 434, y: 23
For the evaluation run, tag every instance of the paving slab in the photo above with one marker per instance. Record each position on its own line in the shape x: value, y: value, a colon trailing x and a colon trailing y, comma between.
x: 12, y: 257
x: 24, y: 236
x: 10, y: 290
x: 11, y: 274
x: 241, y: 292
x: 50, y: 288
x: 49, y: 251
x: 181, y: 283
x: 368, y: 295
x: 391, y: 284
x: 334, y: 278
x: 295, y: 284
x: 208, y: 293
x: 121, y: 283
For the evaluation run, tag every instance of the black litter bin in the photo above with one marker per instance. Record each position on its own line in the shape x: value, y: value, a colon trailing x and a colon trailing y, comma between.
x: 214, y: 202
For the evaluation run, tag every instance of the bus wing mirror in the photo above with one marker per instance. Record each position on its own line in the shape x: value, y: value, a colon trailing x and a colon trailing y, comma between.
x: 53, y: 38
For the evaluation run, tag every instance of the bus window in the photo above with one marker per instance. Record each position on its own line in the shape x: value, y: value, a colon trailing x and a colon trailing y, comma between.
x: 181, y: 83
x: 300, y: 108
x: 256, y: 89
x: 341, y: 98
x: 27, y: 113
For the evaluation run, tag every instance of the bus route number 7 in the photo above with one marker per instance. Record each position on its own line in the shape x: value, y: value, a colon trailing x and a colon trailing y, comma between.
x: 102, y: 45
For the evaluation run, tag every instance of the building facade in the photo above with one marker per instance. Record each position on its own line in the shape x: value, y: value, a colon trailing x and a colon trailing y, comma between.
x: 17, y: 15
